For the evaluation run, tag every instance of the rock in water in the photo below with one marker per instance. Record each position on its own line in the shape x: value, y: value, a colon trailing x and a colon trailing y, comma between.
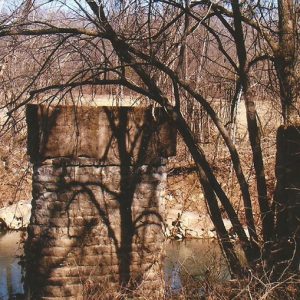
x: 16, y: 216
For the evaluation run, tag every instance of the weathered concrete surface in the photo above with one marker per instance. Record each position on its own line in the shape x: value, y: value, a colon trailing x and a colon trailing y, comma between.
x: 16, y: 216
x: 142, y: 134
x: 97, y: 222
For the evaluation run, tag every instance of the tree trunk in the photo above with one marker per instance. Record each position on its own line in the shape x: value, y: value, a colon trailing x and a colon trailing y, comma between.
x: 254, y: 136
x: 285, y: 61
x: 266, y: 213
x: 285, y: 257
x: 286, y: 253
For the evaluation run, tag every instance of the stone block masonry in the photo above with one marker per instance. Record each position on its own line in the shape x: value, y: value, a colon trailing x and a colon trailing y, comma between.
x: 97, y: 208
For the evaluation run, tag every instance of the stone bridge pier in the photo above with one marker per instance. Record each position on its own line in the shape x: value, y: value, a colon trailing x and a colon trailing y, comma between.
x: 97, y: 210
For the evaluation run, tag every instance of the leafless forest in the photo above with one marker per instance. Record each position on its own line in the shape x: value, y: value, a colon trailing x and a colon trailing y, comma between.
x: 227, y: 74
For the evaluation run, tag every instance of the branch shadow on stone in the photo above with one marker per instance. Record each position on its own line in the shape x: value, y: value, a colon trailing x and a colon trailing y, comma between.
x: 97, y: 210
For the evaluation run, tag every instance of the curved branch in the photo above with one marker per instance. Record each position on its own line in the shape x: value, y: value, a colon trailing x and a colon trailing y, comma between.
x: 17, y: 31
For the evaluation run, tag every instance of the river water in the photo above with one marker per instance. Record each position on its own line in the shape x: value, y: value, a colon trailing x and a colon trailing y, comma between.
x: 184, y: 260
x: 196, y: 260
x: 10, y: 270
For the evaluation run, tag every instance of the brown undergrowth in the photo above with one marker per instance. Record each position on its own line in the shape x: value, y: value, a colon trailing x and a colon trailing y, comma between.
x: 208, y: 289
x: 251, y: 289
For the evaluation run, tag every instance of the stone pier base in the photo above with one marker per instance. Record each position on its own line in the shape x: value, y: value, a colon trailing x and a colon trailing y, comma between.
x: 96, y: 224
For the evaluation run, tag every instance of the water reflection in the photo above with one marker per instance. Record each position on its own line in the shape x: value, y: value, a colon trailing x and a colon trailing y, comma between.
x: 10, y: 271
x: 175, y: 284
x: 198, y: 260
x: 193, y: 260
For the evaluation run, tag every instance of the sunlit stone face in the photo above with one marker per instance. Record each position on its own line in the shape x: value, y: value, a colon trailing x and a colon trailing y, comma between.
x: 96, y: 222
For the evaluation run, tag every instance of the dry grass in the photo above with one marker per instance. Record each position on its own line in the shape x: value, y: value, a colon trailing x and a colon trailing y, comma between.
x: 251, y: 289
x: 207, y: 288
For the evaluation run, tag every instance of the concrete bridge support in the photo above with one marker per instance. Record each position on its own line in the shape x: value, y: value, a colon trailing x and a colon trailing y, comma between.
x: 98, y: 183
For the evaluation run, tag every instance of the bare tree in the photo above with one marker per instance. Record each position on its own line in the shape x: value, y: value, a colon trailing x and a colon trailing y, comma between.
x: 160, y: 50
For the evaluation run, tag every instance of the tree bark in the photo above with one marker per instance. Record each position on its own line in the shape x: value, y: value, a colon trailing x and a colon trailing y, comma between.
x: 286, y: 246
x: 286, y: 257
x: 266, y: 213
x: 285, y: 61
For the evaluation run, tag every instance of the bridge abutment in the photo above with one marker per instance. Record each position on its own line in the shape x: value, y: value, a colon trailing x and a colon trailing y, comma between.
x: 98, y: 182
